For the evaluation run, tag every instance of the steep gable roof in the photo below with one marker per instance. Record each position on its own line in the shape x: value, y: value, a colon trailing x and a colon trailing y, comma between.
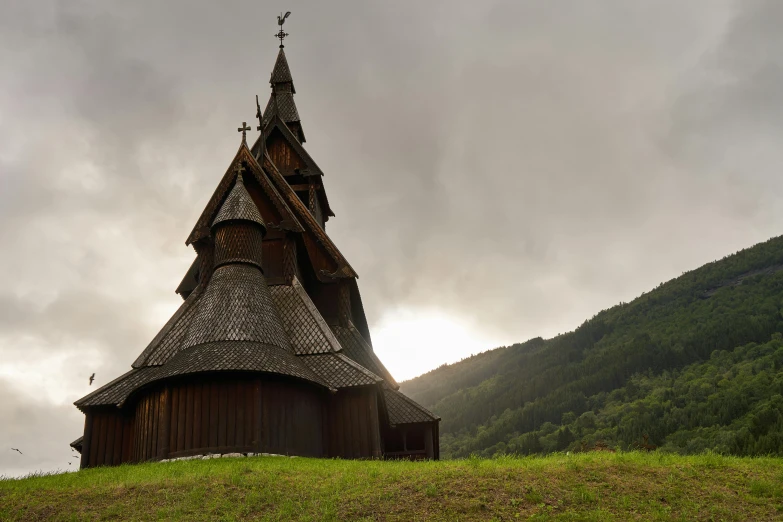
x: 274, y: 122
x: 245, y: 157
x: 296, y: 216
x: 309, y: 222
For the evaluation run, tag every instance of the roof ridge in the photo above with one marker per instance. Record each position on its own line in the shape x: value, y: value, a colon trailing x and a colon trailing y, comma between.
x: 288, y: 218
x: 167, y: 327
x: 344, y: 268
x: 359, y: 367
x: 316, y: 315
x: 288, y: 134
x: 413, y: 403
x: 365, y: 348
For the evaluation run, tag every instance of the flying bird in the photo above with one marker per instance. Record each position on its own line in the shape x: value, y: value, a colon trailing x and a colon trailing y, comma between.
x: 92, y: 378
x: 14, y: 449
x: 281, y: 19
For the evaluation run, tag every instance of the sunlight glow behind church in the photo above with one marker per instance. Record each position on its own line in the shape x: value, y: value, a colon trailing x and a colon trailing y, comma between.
x: 414, y: 341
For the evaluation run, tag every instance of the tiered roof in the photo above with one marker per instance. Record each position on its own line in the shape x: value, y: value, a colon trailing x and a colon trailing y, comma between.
x: 234, y: 320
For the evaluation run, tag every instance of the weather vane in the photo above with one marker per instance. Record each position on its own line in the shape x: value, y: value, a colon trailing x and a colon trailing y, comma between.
x: 280, y: 21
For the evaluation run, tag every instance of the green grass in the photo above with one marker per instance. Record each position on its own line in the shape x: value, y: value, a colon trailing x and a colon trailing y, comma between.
x: 589, y: 486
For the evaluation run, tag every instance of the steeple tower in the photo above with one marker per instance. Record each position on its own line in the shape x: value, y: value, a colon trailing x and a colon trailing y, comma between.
x: 282, y: 137
x: 281, y: 101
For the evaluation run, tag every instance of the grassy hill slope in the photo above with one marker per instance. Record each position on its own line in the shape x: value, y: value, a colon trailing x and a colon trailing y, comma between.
x: 587, y: 486
x: 693, y: 365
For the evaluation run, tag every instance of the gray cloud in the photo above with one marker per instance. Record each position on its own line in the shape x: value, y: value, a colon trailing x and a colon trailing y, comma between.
x: 520, y: 165
x: 40, y: 430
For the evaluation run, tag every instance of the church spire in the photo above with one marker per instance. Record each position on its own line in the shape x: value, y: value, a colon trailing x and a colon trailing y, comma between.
x: 281, y: 101
x: 238, y: 228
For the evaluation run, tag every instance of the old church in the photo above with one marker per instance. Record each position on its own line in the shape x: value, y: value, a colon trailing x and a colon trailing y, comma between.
x: 270, y: 350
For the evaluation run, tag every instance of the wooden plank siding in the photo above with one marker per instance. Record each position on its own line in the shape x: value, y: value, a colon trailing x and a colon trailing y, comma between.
x: 283, y: 155
x: 292, y: 419
x: 108, y: 434
x: 353, y: 424
x: 205, y: 414
x: 230, y: 413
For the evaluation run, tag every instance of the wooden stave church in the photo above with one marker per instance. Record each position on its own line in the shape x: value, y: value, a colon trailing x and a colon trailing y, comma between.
x: 270, y: 351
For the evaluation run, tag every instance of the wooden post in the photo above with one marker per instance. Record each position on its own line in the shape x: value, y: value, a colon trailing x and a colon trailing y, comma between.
x: 259, y: 413
x: 85, y: 462
x: 375, y: 424
x: 166, y: 423
x: 428, y: 446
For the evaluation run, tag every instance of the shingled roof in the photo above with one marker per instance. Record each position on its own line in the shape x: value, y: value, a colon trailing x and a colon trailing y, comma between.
x: 281, y: 100
x: 355, y: 347
x: 306, y: 328
x: 404, y: 410
x: 281, y: 73
x: 340, y: 371
x: 238, y: 206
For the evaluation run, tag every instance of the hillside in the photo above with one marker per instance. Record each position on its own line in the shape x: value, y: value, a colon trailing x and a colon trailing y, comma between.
x: 692, y: 365
x: 588, y: 486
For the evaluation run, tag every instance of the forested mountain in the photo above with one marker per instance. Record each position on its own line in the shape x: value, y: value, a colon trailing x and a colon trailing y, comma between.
x: 694, y: 364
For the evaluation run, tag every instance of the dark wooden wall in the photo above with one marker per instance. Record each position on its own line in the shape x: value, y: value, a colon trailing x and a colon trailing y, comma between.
x: 325, y: 297
x: 108, y: 437
x: 273, y: 255
x: 282, y: 155
x: 353, y: 429
x: 292, y: 419
x: 149, y: 431
x: 210, y: 414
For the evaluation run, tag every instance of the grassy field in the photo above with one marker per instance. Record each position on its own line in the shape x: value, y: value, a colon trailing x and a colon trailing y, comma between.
x: 591, y: 486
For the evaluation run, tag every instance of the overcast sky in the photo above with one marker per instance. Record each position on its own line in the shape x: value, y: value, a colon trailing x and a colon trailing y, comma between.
x: 499, y: 170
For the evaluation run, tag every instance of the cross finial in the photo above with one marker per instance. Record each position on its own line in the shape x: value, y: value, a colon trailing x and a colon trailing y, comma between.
x: 280, y: 21
x: 243, y: 129
x: 239, y: 169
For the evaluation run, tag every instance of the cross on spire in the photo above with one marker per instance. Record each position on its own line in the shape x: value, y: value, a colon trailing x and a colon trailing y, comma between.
x: 239, y: 169
x: 243, y: 129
